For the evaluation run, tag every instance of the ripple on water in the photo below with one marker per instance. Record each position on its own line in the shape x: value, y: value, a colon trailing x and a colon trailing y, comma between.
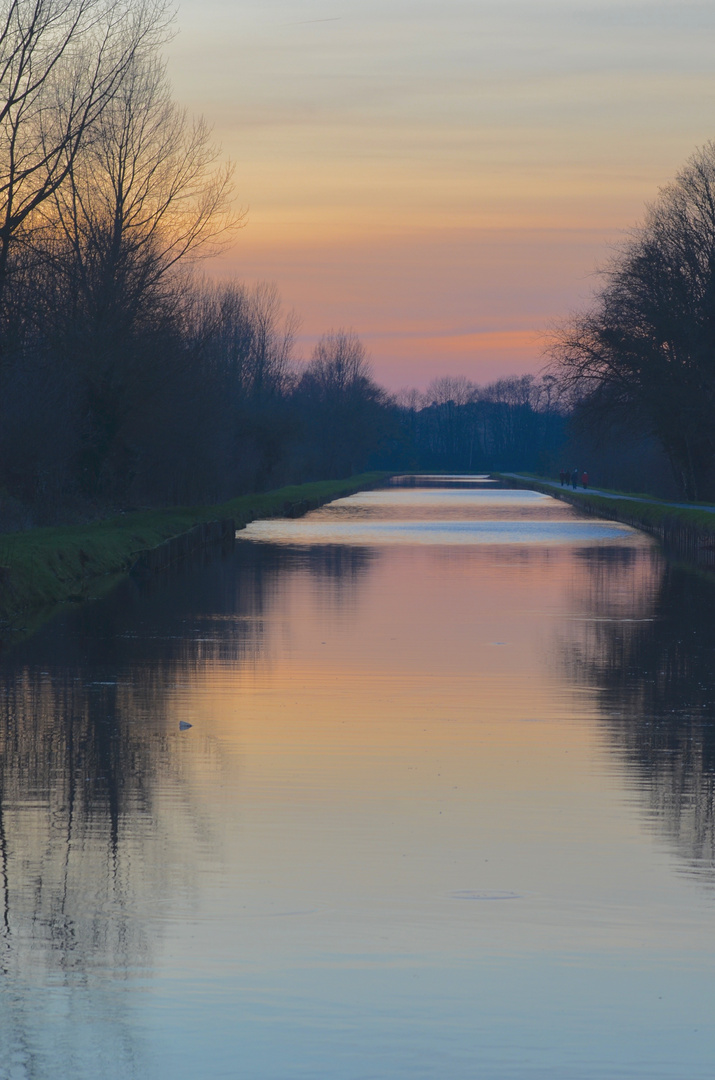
x: 478, y: 894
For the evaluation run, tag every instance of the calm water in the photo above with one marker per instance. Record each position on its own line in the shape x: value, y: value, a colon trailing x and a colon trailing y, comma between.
x: 445, y: 807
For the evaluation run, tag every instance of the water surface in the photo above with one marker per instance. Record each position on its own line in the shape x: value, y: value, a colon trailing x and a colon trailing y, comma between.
x: 444, y: 809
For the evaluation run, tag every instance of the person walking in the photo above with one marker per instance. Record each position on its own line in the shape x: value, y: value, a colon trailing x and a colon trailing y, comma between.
x: 563, y: 476
x: 574, y: 479
x: 584, y: 479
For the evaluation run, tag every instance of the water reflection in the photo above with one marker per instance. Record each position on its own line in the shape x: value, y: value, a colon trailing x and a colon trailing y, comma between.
x: 100, y: 827
x: 442, y: 480
x: 72, y: 771
x: 393, y: 841
x: 88, y: 748
x: 649, y: 650
x: 437, y: 517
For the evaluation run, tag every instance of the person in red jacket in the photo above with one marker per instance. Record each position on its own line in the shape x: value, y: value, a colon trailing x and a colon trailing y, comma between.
x: 584, y: 479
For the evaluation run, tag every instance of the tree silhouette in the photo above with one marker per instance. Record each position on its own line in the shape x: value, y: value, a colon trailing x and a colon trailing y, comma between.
x: 644, y: 354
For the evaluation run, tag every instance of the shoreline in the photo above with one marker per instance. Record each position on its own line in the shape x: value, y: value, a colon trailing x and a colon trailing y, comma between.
x: 41, y: 569
x: 684, y: 531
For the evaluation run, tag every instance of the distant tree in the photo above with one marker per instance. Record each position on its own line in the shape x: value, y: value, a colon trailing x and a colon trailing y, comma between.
x: 516, y: 422
x: 448, y: 389
x: 339, y: 364
x: 343, y: 409
x: 453, y: 419
x: 268, y: 367
x: 643, y: 355
x: 242, y: 341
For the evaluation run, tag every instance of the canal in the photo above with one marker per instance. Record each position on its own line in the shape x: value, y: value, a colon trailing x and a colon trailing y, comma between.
x: 417, y: 786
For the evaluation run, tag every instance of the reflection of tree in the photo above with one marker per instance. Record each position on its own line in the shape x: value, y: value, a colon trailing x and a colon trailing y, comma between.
x: 96, y: 803
x: 343, y: 564
x: 334, y: 569
x: 338, y: 569
x: 73, y: 771
x: 650, y: 650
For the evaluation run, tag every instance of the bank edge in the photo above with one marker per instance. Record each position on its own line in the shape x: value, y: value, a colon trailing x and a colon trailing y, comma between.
x: 41, y: 568
x: 686, y: 532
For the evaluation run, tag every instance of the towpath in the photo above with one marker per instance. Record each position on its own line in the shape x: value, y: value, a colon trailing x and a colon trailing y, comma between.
x: 609, y: 494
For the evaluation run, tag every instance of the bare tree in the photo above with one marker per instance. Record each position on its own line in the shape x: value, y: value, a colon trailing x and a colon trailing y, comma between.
x: 339, y: 363
x: 61, y: 63
x: 409, y: 398
x: 451, y: 388
x: 244, y: 333
x: 272, y: 341
x: 145, y: 196
x: 643, y: 355
x: 147, y: 193
x: 343, y: 408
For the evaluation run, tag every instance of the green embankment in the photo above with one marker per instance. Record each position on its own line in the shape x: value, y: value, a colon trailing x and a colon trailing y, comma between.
x: 43, y: 567
x: 687, y: 530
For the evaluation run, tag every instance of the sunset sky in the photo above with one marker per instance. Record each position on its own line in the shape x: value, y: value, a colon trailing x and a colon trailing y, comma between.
x: 443, y: 176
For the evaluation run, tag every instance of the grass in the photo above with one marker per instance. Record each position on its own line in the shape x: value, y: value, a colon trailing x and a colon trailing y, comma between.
x: 650, y: 513
x: 44, y: 567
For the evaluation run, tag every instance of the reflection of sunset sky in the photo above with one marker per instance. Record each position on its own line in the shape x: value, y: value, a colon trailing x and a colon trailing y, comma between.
x: 443, y: 176
x: 442, y: 518
x: 411, y: 736
x: 424, y: 700
x: 408, y: 818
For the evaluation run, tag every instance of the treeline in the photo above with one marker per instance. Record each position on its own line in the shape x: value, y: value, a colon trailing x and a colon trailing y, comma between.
x: 456, y: 425
x: 125, y: 377
x: 638, y: 367
x: 128, y: 379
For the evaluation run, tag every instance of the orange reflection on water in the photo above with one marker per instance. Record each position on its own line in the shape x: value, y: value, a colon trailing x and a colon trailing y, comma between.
x: 407, y: 734
x: 403, y: 792
x: 426, y: 679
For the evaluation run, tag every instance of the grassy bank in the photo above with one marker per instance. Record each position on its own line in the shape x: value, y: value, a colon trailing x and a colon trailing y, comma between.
x: 689, y: 531
x: 43, y: 567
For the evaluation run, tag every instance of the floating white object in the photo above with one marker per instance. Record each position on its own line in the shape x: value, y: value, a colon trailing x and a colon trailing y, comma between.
x: 184, y: 726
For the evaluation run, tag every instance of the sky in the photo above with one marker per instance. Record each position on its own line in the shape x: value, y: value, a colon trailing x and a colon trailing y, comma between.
x: 443, y: 176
